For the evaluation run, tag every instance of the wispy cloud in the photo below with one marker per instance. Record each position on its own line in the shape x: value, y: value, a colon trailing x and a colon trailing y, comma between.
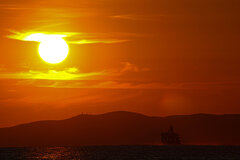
x: 137, y: 17
x: 37, y: 36
x: 70, y: 37
x: 112, y: 85
x: 67, y: 74
x: 130, y: 67
x: 97, y: 41
x: 119, y: 84
x: 107, y: 79
x: 73, y: 78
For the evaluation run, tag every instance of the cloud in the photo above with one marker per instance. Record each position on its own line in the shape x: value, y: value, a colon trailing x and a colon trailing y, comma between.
x: 67, y: 74
x: 72, y: 73
x: 73, y: 78
x: 114, y: 85
x: 99, y: 84
x: 35, y: 36
x: 129, y: 67
x: 14, y: 6
x: 70, y: 37
x: 97, y: 41
x: 106, y: 79
x: 136, y: 17
x: 125, y: 84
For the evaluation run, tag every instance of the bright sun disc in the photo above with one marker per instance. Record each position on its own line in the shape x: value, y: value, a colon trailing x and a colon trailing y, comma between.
x: 53, y: 49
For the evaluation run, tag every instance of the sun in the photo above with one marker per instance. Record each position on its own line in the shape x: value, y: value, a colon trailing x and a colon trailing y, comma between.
x: 53, y: 49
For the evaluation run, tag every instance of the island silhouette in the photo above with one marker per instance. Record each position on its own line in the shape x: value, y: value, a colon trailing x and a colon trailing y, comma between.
x: 124, y: 128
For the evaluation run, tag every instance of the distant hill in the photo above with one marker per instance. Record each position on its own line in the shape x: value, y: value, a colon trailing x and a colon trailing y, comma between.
x: 124, y: 128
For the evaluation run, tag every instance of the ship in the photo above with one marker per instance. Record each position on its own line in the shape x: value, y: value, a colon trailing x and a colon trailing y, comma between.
x: 170, y: 137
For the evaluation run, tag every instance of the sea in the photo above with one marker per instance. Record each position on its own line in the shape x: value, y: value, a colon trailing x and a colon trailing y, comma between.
x: 123, y: 153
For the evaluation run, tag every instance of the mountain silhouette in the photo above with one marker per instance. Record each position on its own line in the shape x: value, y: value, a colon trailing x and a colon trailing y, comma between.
x: 124, y: 128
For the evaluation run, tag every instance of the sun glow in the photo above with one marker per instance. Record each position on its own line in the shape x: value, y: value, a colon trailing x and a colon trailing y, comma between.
x: 52, y: 48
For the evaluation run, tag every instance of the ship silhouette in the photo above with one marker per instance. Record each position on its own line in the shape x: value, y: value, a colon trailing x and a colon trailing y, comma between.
x: 170, y: 137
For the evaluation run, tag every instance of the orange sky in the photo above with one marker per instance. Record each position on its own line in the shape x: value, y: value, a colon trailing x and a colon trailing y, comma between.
x: 157, y: 57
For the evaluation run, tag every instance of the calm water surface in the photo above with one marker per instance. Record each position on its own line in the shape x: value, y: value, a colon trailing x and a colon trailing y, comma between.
x: 124, y: 153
